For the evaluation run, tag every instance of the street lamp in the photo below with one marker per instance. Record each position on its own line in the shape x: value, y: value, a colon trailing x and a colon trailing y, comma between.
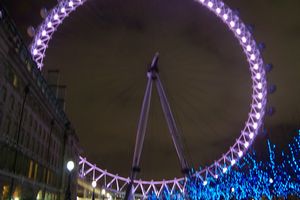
x: 94, y: 184
x: 70, y: 167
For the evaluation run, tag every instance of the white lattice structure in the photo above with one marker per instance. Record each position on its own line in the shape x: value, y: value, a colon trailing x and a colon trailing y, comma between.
x: 252, y: 125
x: 118, y: 183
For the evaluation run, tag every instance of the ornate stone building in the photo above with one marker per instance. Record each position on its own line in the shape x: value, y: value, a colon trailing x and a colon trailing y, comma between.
x: 36, y: 138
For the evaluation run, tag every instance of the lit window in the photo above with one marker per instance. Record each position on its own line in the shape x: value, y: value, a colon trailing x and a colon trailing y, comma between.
x: 15, y: 81
x: 48, y: 177
x: 30, y: 169
x: 35, y: 171
x: 3, y: 93
x: 1, y: 115
x: 12, y: 102
x: 7, y: 125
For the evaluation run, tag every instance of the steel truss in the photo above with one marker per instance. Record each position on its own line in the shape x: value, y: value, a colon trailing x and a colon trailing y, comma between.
x: 118, y: 184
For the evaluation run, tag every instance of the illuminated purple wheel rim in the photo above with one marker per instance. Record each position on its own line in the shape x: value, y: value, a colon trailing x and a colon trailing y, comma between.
x: 248, y: 133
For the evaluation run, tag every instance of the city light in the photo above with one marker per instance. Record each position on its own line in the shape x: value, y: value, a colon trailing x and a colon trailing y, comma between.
x: 225, y: 16
x: 49, y: 25
x: 240, y: 154
x: 70, y: 165
x: 44, y: 33
x: 233, y: 162
x: 255, y: 66
x: 63, y: 10
x: 232, y: 24
x: 232, y: 189
x: 94, y: 184
x: 251, y: 135
x: 244, y: 39
x: 210, y: 4
x: 55, y: 16
x: 71, y: 3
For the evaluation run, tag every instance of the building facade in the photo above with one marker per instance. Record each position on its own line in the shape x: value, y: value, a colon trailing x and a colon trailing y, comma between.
x: 36, y: 138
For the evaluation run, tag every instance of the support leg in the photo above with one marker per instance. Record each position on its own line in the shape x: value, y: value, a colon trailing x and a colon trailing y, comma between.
x: 142, y: 125
x: 172, y: 126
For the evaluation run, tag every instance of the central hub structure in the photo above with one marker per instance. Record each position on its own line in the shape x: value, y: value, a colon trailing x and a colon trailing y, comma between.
x: 153, y: 69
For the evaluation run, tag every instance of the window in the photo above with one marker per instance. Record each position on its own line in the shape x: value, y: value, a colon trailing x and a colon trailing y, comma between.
x: 37, y: 147
x: 41, y: 152
x: 1, y: 115
x: 48, y: 176
x: 3, y: 94
x: 44, y: 175
x: 35, y: 126
x: 30, y: 121
x: 7, y: 125
x: 9, y: 74
x: 28, y: 65
x: 5, y: 191
x: 14, y: 131
x: 27, y: 140
x: 36, y: 166
x: 45, y: 137
x: 32, y: 144
x: 30, y: 169
x: 22, y: 137
x: 25, y: 117
x: 12, y: 102
x: 15, y: 81
x: 40, y: 131
x: 18, y: 110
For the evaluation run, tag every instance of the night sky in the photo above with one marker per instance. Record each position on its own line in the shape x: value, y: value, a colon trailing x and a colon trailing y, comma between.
x: 104, y: 48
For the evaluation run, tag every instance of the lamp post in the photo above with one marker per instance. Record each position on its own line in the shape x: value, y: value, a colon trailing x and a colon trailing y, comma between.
x: 16, y: 151
x: 94, y: 185
x: 70, y: 167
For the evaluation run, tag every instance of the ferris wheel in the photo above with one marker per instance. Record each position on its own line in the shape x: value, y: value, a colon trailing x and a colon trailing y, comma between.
x: 253, y: 123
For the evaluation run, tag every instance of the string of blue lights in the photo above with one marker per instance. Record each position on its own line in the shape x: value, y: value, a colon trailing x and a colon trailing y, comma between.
x: 251, y: 178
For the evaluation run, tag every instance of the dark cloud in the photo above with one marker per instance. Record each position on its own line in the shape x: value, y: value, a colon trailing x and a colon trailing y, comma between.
x: 103, y: 50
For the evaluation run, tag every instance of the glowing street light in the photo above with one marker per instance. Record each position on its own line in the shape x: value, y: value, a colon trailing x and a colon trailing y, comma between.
x: 70, y: 167
x: 94, y: 185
